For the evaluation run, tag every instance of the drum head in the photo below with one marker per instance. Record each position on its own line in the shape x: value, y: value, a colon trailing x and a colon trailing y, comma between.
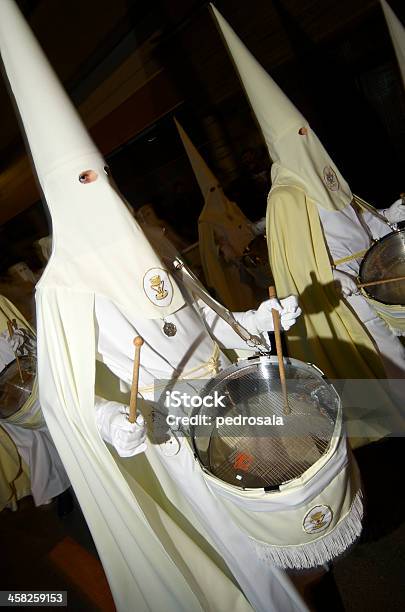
x: 386, y: 259
x: 252, y: 442
x: 14, y: 392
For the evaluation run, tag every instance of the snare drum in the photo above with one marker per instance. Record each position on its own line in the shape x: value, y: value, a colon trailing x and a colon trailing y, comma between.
x: 14, y: 393
x: 287, y: 480
x: 386, y: 259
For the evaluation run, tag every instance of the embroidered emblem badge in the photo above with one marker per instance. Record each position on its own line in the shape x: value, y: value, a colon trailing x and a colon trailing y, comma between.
x: 330, y: 179
x: 157, y: 286
x: 317, y: 519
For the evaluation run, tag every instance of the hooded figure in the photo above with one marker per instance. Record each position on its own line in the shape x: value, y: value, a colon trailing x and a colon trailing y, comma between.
x: 223, y: 233
x: 43, y: 248
x: 317, y: 237
x: 162, y: 535
x: 29, y: 463
x: 147, y: 219
x: 22, y: 272
x: 397, y: 33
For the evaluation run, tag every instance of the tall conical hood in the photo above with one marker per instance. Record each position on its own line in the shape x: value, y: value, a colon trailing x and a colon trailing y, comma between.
x: 205, y: 178
x: 218, y: 209
x: 221, y: 222
x: 298, y: 159
x: 97, y: 245
x: 397, y: 33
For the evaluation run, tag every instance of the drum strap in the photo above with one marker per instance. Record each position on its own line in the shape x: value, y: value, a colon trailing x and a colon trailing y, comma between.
x: 187, y: 278
x: 366, y: 206
x: 362, y: 204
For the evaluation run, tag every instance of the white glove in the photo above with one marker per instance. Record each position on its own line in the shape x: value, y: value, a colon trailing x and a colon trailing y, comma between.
x: 345, y: 283
x: 259, y: 227
x: 396, y: 212
x: 128, y: 439
x: 16, y: 340
x: 261, y: 320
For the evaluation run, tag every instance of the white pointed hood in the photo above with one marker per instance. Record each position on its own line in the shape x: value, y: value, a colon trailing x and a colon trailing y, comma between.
x: 97, y: 245
x: 220, y: 222
x: 397, y: 33
x: 298, y: 160
x: 218, y: 209
x: 205, y: 178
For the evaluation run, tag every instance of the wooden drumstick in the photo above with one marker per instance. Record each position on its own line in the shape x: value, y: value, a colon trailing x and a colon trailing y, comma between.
x: 138, y: 341
x: 279, y: 349
x: 11, y: 334
x: 381, y: 281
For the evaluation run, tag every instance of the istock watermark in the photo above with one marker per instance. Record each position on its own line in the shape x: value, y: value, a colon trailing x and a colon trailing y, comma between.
x: 175, y: 399
x: 370, y: 408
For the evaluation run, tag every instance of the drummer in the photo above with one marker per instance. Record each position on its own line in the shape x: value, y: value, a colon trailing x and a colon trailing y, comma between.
x: 111, y: 286
x: 223, y: 235
x: 29, y: 462
x: 318, y: 235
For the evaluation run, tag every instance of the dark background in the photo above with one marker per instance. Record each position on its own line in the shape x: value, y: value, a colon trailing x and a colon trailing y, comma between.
x: 333, y: 59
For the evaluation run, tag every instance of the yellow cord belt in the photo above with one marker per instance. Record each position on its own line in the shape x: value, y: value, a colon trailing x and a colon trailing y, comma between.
x: 358, y: 255
x: 209, y: 367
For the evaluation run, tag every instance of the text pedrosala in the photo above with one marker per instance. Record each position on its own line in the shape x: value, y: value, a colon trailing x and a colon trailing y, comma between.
x: 204, y: 419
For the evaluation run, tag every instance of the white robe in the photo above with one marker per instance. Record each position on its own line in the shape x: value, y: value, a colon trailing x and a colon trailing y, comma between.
x: 345, y: 234
x: 162, y: 356
x: 173, y: 463
x: 47, y: 475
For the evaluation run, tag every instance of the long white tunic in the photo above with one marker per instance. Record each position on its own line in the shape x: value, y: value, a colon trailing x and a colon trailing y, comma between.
x: 47, y: 474
x: 163, y: 357
x: 181, y: 478
x: 347, y: 233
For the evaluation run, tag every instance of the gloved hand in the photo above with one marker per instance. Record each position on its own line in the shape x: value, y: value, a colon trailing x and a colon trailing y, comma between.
x: 288, y: 309
x: 396, y: 212
x: 259, y: 227
x: 128, y: 439
x: 345, y: 283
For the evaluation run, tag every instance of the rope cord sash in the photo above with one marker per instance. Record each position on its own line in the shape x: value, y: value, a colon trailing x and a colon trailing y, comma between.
x: 210, y: 366
x: 358, y: 255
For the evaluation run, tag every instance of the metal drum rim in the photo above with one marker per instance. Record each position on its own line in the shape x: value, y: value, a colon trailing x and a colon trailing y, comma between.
x: 268, y: 359
x: 369, y: 250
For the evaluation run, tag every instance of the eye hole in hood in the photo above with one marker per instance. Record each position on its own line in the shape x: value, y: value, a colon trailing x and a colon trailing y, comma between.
x: 88, y: 176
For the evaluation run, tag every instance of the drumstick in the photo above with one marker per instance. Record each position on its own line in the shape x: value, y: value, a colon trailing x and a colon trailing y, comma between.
x: 279, y: 349
x: 11, y: 334
x: 138, y: 341
x: 381, y: 281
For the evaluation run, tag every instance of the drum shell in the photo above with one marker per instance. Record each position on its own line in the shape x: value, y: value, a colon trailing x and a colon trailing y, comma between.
x: 267, y: 360
x: 274, y: 520
x: 386, y: 259
x: 14, y: 393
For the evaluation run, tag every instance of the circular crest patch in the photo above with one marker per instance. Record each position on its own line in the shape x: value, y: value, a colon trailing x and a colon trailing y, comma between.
x: 330, y: 179
x: 317, y: 519
x: 158, y: 287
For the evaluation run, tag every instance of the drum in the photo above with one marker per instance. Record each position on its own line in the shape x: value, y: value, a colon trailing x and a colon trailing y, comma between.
x: 15, y: 392
x: 287, y: 479
x: 386, y: 259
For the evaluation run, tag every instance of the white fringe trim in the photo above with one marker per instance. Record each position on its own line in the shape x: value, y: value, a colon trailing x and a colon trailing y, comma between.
x: 313, y: 554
